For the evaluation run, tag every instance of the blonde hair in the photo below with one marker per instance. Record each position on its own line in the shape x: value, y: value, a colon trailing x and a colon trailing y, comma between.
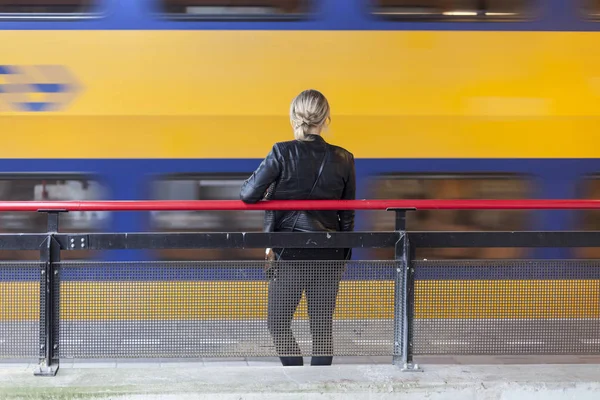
x: 308, y: 110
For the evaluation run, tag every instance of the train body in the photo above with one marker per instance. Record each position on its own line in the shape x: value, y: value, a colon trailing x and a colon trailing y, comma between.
x: 173, y: 100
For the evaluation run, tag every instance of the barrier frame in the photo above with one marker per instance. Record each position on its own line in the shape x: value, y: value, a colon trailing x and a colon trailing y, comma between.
x: 52, y: 243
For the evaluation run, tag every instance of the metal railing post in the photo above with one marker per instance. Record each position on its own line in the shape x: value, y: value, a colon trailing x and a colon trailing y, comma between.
x: 49, y: 298
x: 409, y: 306
x: 403, y: 296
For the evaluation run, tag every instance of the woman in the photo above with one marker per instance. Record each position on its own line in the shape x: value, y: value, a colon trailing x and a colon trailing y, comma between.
x: 305, y: 168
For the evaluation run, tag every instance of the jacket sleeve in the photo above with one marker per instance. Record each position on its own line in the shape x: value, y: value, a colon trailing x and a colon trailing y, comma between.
x: 347, y: 216
x: 254, y: 188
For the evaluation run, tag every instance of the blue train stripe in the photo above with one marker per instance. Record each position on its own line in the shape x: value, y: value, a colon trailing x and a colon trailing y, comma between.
x: 551, y: 15
x: 140, y: 272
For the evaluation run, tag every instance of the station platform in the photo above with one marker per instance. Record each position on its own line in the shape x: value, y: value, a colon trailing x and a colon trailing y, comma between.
x: 513, y: 378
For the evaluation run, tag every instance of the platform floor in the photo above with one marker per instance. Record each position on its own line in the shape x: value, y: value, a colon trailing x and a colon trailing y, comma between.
x: 253, y: 379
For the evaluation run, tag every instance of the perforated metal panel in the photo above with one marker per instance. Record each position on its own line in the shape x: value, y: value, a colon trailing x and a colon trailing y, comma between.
x: 214, y: 309
x: 507, y: 307
x: 19, y: 309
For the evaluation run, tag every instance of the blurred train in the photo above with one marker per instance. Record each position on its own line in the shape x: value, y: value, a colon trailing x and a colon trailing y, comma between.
x: 180, y: 99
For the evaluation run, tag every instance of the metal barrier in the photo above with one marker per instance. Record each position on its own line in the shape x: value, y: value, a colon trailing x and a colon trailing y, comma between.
x: 401, y: 307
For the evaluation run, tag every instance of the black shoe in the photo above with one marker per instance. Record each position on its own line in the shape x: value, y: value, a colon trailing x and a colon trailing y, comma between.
x: 291, y: 361
x: 321, y: 360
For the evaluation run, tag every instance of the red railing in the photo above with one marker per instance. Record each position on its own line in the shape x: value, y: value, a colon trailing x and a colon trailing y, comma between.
x: 236, y: 205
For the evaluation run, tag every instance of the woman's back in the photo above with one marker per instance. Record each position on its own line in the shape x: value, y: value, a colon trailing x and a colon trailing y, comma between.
x: 297, y: 164
x: 305, y: 168
x: 301, y: 162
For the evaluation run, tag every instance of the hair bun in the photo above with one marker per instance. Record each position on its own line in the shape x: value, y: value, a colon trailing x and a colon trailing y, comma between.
x: 309, y: 109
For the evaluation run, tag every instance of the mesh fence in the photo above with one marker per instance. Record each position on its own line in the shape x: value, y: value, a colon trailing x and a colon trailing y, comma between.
x: 226, y: 309
x: 19, y: 309
x: 507, y: 307
x: 231, y: 309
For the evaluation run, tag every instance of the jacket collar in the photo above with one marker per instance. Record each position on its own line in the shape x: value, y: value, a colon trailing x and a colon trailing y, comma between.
x: 317, y: 138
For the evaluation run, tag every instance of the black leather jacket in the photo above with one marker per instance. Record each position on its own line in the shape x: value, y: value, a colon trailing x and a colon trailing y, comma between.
x: 294, y: 166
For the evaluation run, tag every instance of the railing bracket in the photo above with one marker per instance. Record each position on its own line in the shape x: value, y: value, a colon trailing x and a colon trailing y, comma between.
x: 45, y: 370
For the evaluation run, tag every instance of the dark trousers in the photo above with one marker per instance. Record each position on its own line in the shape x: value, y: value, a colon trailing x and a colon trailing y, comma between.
x: 320, y: 281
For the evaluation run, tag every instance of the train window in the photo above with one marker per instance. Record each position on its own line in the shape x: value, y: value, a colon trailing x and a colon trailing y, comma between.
x: 445, y: 186
x: 37, y: 187
x: 204, y: 187
x: 47, y: 7
x: 589, y: 220
x: 215, y: 9
x: 453, y: 9
x: 592, y: 8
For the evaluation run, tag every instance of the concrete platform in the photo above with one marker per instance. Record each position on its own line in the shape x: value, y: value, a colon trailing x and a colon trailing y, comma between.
x: 264, y: 379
